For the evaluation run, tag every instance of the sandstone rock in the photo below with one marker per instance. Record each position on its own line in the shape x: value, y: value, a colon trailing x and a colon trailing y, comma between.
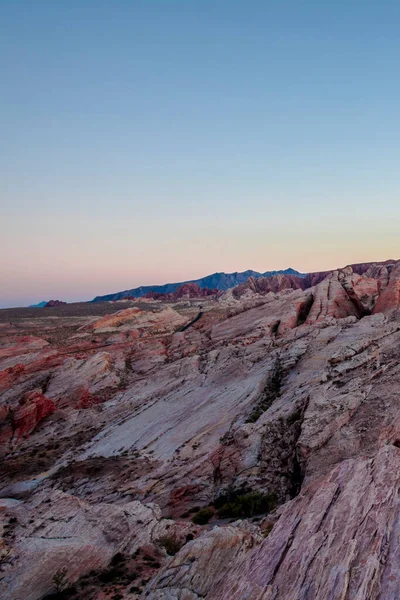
x: 265, y: 285
x: 20, y: 421
x: 289, y: 392
x: 331, y: 300
x: 59, y: 530
x: 321, y: 547
x: 185, y: 291
x: 82, y: 376
x: 162, y: 321
x: 34, y: 407
x: 201, y: 563
x: 389, y: 298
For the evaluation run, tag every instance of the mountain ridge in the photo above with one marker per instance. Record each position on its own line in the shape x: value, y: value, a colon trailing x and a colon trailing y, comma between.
x: 220, y: 281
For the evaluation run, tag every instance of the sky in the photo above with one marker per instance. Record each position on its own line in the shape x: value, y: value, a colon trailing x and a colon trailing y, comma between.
x: 151, y: 141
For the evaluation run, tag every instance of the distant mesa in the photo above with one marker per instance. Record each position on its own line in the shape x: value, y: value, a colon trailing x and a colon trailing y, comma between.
x: 214, y: 283
x: 39, y: 305
x: 53, y: 303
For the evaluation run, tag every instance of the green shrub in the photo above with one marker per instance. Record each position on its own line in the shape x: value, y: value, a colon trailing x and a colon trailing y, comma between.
x: 245, y: 505
x: 203, y: 516
x: 60, y: 580
x: 171, y: 544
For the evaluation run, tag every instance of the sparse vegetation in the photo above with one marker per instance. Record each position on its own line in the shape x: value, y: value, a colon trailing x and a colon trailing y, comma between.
x: 60, y: 580
x: 244, y: 505
x: 203, y: 516
x: 171, y: 543
x: 269, y: 395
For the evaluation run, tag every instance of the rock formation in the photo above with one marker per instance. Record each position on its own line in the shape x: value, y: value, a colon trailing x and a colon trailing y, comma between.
x: 185, y: 291
x: 52, y: 303
x: 270, y: 418
x: 216, y: 281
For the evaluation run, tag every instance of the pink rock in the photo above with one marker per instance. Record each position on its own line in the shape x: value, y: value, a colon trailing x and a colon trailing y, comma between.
x: 34, y: 407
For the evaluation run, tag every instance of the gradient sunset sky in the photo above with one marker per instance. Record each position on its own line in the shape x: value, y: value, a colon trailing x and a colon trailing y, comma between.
x: 161, y: 140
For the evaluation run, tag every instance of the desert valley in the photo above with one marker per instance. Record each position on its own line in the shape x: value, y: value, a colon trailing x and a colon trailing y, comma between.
x: 202, y: 443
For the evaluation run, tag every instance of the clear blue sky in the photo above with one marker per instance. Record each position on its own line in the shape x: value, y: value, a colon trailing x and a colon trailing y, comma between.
x: 161, y: 140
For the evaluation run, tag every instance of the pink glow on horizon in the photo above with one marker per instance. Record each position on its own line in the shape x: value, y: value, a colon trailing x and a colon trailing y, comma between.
x: 79, y: 275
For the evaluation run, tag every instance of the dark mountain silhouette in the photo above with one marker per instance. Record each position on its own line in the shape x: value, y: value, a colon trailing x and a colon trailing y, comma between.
x: 216, y: 281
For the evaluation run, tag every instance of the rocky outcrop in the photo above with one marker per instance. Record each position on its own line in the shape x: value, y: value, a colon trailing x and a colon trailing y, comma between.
x: 19, y: 422
x: 53, y: 303
x: 183, y: 292
x: 216, y: 281
x: 337, y: 539
x: 265, y: 285
x: 79, y: 377
x: 32, y: 409
x: 288, y: 396
x: 58, y: 531
x: 355, y: 290
x: 134, y: 318
x: 331, y: 301
x: 389, y: 288
x: 193, y: 573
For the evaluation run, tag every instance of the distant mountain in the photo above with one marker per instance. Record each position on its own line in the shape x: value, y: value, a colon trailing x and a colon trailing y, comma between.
x: 39, y: 305
x: 216, y: 281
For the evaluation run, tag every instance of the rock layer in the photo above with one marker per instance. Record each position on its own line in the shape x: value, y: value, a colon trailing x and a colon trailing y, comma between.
x: 119, y: 426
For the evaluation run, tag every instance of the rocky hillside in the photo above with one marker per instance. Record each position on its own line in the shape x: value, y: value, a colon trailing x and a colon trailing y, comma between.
x: 247, y: 449
x: 217, y: 281
x: 186, y: 291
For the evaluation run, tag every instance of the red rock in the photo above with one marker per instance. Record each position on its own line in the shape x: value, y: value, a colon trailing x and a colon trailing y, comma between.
x: 226, y: 460
x: 16, y: 370
x: 181, y: 498
x: 87, y: 399
x: 9, y: 376
x: 33, y: 408
x: 331, y: 300
x: 389, y: 298
x: 187, y: 290
x: 264, y: 285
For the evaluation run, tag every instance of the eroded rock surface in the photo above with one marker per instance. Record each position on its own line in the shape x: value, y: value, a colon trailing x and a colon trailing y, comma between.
x: 337, y: 539
x: 117, y: 427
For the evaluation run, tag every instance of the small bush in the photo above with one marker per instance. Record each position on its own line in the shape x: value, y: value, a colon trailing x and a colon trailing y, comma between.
x: 171, y: 544
x: 60, y: 580
x: 203, y: 516
x: 247, y: 505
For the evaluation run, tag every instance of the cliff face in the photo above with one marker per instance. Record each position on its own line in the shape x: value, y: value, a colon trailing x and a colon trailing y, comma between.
x: 276, y: 412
